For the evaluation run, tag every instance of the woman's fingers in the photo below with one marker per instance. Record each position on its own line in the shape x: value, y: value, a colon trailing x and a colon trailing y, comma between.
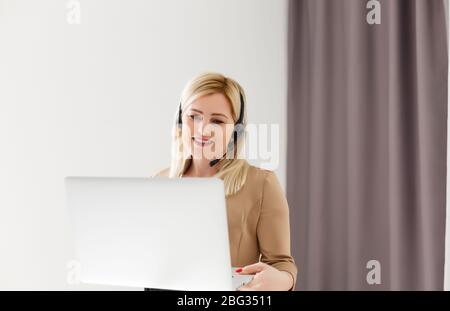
x: 253, y: 268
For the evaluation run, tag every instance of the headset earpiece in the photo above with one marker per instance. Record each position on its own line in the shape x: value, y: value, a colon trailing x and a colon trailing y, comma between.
x: 180, y: 122
x: 239, y: 126
x: 237, y: 132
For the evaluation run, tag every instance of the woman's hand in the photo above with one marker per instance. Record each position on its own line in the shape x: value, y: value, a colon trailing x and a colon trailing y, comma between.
x: 266, y: 278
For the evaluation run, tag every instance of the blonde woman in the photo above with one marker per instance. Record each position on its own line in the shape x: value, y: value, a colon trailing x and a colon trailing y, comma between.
x: 258, y: 213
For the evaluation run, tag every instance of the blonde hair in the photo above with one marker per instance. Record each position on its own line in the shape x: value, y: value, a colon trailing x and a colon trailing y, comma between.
x: 231, y: 169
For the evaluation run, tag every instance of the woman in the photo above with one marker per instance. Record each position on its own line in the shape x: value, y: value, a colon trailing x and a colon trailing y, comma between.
x: 258, y: 213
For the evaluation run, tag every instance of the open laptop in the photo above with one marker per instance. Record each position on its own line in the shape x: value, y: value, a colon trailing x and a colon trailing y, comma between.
x: 157, y: 233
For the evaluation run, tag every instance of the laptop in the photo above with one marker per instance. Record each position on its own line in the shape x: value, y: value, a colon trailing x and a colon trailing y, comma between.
x: 154, y: 233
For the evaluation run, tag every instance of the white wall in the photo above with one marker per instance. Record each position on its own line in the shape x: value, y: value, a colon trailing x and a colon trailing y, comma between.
x: 98, y: 98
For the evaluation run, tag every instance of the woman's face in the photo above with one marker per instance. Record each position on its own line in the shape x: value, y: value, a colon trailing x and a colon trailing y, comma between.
x: 207, y: 126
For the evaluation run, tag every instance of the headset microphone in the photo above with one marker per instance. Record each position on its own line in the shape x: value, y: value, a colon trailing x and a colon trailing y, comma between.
x: 213, y: 162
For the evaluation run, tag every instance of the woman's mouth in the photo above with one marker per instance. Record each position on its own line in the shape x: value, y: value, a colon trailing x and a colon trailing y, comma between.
x: 202, y: 142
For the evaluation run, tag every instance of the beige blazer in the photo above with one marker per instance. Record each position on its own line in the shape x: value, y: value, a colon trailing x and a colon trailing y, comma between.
x: 258, y: 222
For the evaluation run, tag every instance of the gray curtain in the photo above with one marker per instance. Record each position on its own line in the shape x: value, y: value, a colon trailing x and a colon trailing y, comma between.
x: 367, y: 124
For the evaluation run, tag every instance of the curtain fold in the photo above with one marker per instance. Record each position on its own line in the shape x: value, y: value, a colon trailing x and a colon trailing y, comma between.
x: 367, y: 130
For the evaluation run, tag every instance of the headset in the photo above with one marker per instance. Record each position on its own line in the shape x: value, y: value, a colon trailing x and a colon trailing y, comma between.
x: 237, y: 130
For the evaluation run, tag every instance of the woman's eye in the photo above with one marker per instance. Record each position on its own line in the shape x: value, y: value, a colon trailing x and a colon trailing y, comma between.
x: 195, y: 117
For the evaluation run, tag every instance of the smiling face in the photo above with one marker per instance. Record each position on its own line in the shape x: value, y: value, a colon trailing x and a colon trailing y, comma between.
x: 207, y: 126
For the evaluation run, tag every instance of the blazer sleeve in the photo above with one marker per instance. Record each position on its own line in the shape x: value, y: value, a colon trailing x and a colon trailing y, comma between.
x: 273, y: 229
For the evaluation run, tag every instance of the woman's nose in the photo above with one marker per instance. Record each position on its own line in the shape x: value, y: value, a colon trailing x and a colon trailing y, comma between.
x: 203, y: 128
x: 198, y: 127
